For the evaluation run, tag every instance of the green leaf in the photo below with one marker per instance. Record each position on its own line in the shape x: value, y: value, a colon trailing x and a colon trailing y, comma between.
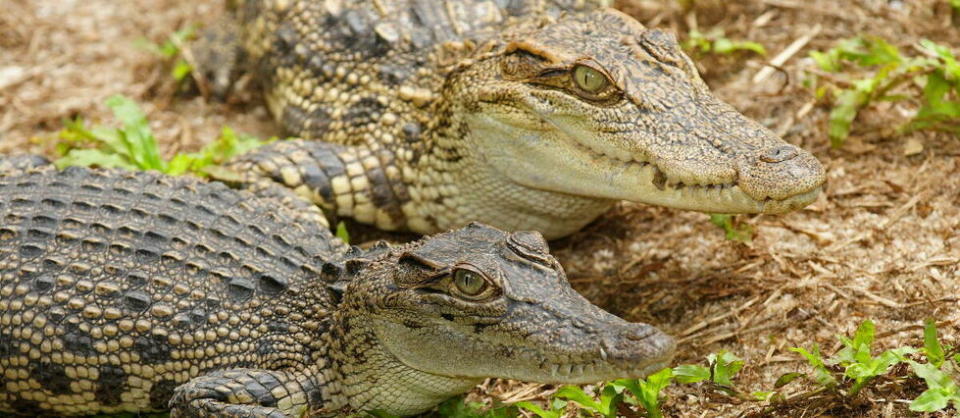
x: 762, y: 396
x: 941, y: 389
x: 931, y: 400
x: 724, y: 366
x: 647, y: 391
x: 342, y: 232
x: 691, y: 373
x: 576, y: 394
x: 786, y: 378
x: 826, y: 62
x: 848, y: 104
x: 540, y: 412
x: 181, y: 70
x: 931, y: 343
x: 609, y: 399
x: 857, y: 349
x: 136, y: 136
x: 734, y: 232
x: 821, y: 374
x: 726, y: 46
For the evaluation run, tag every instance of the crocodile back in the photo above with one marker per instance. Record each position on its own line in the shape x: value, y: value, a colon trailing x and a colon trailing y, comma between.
x: 333, y: 70
x: 116, y: 287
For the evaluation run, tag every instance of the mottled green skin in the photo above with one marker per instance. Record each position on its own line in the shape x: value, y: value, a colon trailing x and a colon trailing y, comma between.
x: 135, y: 292
x: 427, y: 115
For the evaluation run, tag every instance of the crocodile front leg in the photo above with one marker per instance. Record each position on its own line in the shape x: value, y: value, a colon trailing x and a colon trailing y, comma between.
x: 347, y: 181
x: 246, y: 393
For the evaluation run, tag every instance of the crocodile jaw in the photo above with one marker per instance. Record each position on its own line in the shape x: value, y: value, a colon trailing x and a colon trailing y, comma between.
x: 533, y: 158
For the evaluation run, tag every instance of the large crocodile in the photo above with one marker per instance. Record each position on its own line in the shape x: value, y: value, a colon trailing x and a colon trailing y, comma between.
x: 523, y: 114
x: 124, y: 291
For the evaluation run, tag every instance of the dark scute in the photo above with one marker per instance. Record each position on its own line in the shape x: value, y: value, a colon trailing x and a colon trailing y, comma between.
x: 6, y: 346
x: 240, y: 289
x: 411, y: 131
x: 145, y: 256
x: 317, y: 180
x: 111, y: 384
x: 153, y: 349
x: 44, y: 221
x: 381, y: 193
x: 393, y: 75
x: 136, y: 300
x: 272, y: 285
x: 182, y: 321
x: 25, y: 407
x: 366, y: 109
x: 52, y: 376
x: 44, y: 283
x: 161, y: 392
x: 278, y: 326
x: 136, y: 280
x: 331, y: 272
x: 30, y: 250
x: 198, y: 316
x: 77, y: 341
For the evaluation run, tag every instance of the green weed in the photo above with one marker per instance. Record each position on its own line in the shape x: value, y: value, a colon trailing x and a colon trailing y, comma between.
x: 734, y: 231
x: 933, y: 80
x: 170, y: 50
x: 132, y: 146
x: 940, y: 373
x: 715, y: 42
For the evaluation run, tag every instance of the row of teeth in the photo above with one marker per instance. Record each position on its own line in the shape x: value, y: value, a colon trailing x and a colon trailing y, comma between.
x: 658, y: 174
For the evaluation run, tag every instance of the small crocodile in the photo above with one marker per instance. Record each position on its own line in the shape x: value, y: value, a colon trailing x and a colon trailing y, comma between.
x: 123, y: 291
x: 522, y: 114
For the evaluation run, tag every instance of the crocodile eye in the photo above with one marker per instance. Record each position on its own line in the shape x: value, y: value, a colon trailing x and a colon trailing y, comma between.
x: 588, y: 79
x: 469, y: 282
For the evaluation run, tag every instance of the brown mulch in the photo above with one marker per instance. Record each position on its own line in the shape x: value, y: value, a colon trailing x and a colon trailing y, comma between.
x: 882, y: 243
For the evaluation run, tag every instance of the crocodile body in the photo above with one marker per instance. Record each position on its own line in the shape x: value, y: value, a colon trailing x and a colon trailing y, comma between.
x: 523, y: 114
x: 138, y: 292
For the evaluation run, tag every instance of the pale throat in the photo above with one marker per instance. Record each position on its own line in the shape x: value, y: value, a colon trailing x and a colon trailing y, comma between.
x: 471, y: 189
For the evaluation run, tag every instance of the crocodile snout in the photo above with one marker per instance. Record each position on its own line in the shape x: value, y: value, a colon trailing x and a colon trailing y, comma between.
x: 785, y: 177
x: 639, y: 346
x: 779, y: 154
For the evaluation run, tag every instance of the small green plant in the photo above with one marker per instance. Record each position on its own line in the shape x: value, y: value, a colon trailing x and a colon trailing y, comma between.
x: 735, y: 231
x: 170, y: 50
x: 647, y: 391
x: 855, y: 359
x: 932, y: 80
x: 858, y: 362
x: 939, y: 373
x: 133, y: 146
x: 716, y: 42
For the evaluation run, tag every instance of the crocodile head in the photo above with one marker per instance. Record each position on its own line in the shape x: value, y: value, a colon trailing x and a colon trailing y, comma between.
x: 478, y: 302
x: 596, y: 105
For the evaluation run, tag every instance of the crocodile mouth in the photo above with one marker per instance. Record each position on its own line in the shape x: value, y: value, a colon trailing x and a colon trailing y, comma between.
x: 724, y: 196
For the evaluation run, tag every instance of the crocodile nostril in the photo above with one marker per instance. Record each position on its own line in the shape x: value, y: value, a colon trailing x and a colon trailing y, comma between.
x: 779, y: 154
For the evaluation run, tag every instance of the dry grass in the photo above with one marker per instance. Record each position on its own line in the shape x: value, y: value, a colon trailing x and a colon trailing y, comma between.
x: 882, y: 243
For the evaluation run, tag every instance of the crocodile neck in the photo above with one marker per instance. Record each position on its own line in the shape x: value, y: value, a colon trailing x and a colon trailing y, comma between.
x: 449, y: 167
x: 371, y: 378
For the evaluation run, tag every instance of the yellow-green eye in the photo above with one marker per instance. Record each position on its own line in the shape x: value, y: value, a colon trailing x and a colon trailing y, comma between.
x: 588, y: 79
x: 468, y: 282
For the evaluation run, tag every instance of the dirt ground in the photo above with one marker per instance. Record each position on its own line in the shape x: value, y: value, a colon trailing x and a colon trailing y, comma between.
x: 882, y: 243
